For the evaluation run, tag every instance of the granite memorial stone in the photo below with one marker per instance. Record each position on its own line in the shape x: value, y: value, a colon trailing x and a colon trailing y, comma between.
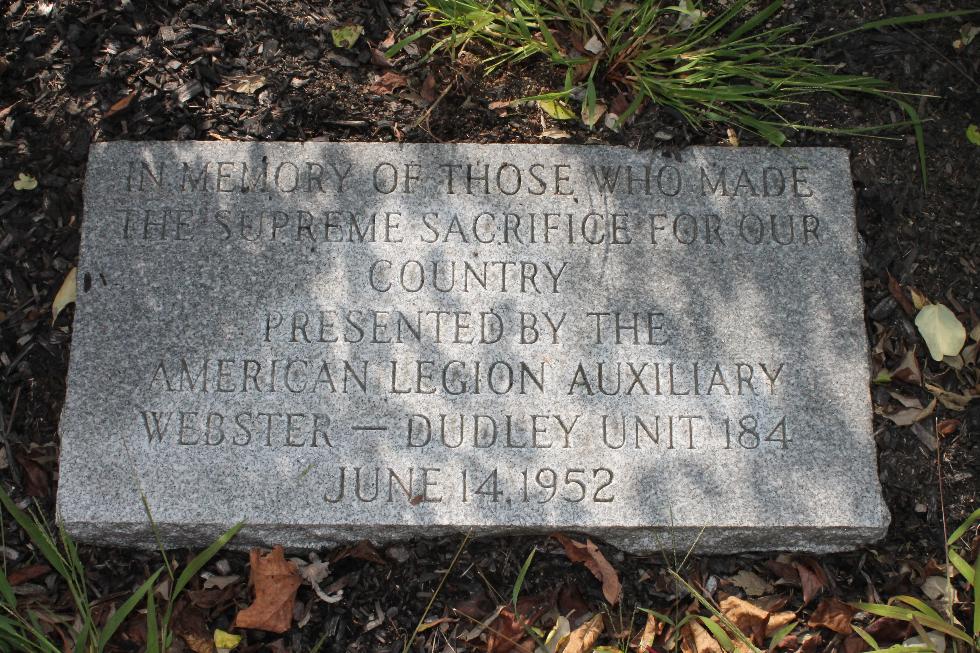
x: 337, y: 341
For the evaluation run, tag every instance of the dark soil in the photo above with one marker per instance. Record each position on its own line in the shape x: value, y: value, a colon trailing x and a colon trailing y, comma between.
x: 67, y: 69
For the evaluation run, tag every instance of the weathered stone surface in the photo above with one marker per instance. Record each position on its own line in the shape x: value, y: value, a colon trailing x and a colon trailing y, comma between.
x: 294, y: 335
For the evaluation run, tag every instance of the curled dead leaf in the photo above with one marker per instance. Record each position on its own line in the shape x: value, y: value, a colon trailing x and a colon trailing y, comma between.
x: 908, y: 369
x: 589, y: 555
x: 695, y: 638
x: 834, y: 614
x: 120, y: 105
x: 387, y: 83
x: 651, y: 629
x: 428, y: 90
x: 751, y: 582
x: 67, y: 294
x: 188, y: 623
x: 276, y: 581
x: 247, y: 84
x: 899, y: 295
x: 583, y: 638
x: 909, y: 416
x: 812, y: 578
x: 754, y: 621
x: 951, y: 400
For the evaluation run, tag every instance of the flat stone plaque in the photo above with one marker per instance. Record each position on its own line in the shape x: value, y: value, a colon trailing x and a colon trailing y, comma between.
x: 337, y: 341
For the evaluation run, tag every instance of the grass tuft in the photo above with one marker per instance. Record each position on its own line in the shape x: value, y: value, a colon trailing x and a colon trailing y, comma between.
x: 20, y: 625
x: 727, y: 69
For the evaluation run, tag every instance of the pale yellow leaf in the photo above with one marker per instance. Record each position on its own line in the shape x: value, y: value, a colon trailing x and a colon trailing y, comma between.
x: 25, y: 182
x: 225, y: 641
x: 66, y: 294
x: 346, y: 37
x: 919, y: 300
x: 556, y: 109
x: 943, y: 333
x: 558, y: 635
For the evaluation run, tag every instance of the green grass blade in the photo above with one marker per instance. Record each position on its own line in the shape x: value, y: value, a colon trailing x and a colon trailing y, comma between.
x: 866, y: 636
x: 515, y: 592
x: 976, y: 598
x: 944, y: 627
x: 919, y: 606
x: 877, y: 609
x: 962, y: 566
x: 113, y: 623
x: 37, y: 534
x: 719, y: 634
x: 319, y: 643
x: 896, y: 21
x: 759, y: 18
x: 81, y: 642
x: 7, y: 592
x: 408, y: 40
x: 202, y: 558
x: 152, y: 624
x: 964, y: 527
x: 920, y: 139
x: 660, y: 616
x: 780, y: 634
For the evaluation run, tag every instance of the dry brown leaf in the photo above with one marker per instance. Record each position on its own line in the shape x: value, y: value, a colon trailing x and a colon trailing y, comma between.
x: 555, y: 134
x: 834, y: 614
x: 188, y: 623
x: 363, y: 550
x: 387, y: 83
x: 695, y: 638
x: 909, y: 416
x: 919, y: 300
x: 583, y: 638
x: 951, y: 400
x: 121, y: 105
x: 651, y: 629
x: 948, y: 426
x: 906, y: 400
x: 887, y: 630
x: 750, y: 619
x: 777, y: 620
x: 812, y: 578
x: 589, y: 555
x: 908, y: 369
x: 247, y: 84
x: 378, y: 58
x: 811, y: 644
x: 276, y: 581
x: 896, y: 291
x: 751, y: 582
x: 27, y: 574
x: 428, y: 90
x: 854, y: 644
x: 506, y: 633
